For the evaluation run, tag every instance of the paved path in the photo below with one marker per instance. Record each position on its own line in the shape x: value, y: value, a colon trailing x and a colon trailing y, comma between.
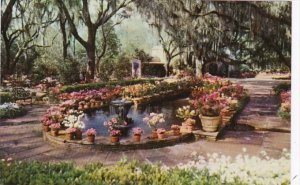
x: 24, y: 142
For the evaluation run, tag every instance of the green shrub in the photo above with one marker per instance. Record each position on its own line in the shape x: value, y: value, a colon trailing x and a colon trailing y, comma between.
x: 284, y: 115
x: 69, y: 71
x: 36, y: 173
x: 106, y: 69
x: 6, y: 97
x: 122, y: 68
x: 44, y: 67
x: 89, y: 86
x: 282, y: 87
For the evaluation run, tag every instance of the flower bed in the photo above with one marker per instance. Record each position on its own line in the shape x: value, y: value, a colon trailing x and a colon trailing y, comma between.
x: 215, y: 170
x: 11, y: 110
x: 285, y: 106
x: 283, y: 90
x: 91, y: 86
x: 148, y: 93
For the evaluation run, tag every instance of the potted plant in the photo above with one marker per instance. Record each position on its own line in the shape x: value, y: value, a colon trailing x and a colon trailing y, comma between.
x: 176, y: 130
x: 210, y: 108
x: 91, y: 133
x: 152, y: 120
x: 55, y: 128
x: 115, y: 136
x: 187, y: 114
x: 74, y: 121
x: 137, y: 133
x: 46, y: 122
x: 161, y: 133
x: 117, y: 124
x: 70, y: 133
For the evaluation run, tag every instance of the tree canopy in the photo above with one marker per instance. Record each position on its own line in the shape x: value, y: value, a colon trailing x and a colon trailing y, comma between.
x: 231, y: 32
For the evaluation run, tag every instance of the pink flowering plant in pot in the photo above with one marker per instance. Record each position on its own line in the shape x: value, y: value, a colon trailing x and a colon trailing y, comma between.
x: 115, y: 135
x: 91, y: 134
x: 137, y: 133
x: 161, y: 133
x: 176, y: 130
x: 55, y: 128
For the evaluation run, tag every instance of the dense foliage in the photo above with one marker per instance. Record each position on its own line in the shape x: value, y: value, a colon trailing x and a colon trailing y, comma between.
x: 218, y: 170
x: 230, y: 32
x: 6, y: 97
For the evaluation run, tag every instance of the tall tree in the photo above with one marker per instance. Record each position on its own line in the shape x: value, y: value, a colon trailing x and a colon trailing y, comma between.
x: 22, y: 24
x: 107, y: 10
x: 230, y: 32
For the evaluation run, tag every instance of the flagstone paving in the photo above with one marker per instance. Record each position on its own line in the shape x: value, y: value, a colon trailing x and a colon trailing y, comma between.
x: 258, y: 128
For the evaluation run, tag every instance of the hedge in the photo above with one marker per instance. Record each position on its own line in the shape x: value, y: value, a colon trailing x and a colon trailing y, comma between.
x: 282, y: 87
x: 89, y: 86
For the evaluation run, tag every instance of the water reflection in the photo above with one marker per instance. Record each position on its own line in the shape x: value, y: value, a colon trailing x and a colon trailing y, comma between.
x: 168, y: 108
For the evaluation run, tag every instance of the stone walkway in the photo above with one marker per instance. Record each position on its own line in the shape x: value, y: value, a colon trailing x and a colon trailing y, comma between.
x: 271, y: 134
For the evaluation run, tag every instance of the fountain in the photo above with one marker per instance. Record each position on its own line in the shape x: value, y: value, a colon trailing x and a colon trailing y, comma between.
x: 121, y: 108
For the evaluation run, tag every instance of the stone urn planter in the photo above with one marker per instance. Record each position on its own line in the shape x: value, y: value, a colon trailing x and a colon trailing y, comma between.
x: 114, y: 139
x: 137, y: 138
x: 91, y: 138
x: 210, y: 124
x: 54, y: 131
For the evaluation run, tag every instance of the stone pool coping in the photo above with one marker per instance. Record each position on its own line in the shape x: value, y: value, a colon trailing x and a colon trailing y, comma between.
x: 104, y: 144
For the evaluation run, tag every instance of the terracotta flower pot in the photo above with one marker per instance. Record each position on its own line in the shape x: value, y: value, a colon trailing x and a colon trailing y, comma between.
x: 54, y: 131
x: 161, y: 135
x: 176, y: 132
x: 190, y: 127
x: 78, y: 134
x: 210, y: 124
x: 154, y: 134
x: 86, y: 106
x: 114, y: 139
x: 91, y: 138
x: 70, y: 136
x: 136, y: 138
x: 46, y: 128
x: 80, y: 107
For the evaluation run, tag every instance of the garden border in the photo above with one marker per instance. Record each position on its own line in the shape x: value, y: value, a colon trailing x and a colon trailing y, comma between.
x: 125, y: 145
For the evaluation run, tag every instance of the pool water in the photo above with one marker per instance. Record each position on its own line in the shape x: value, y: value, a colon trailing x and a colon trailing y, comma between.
x: 168, y: 108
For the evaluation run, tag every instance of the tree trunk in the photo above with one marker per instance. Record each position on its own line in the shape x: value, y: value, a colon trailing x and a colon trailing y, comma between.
x: 6, y: 70
x: 91, y: 55
x: 168, y: 67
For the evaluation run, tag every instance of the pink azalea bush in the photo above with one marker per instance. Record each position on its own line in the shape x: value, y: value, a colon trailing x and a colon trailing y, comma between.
x: 91, y: 132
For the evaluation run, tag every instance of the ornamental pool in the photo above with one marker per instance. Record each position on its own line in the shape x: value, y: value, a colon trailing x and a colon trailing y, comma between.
x: 168, y: 108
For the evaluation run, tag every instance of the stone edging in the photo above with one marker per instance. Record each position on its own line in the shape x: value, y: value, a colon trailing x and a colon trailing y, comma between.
x: 105, y: 144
